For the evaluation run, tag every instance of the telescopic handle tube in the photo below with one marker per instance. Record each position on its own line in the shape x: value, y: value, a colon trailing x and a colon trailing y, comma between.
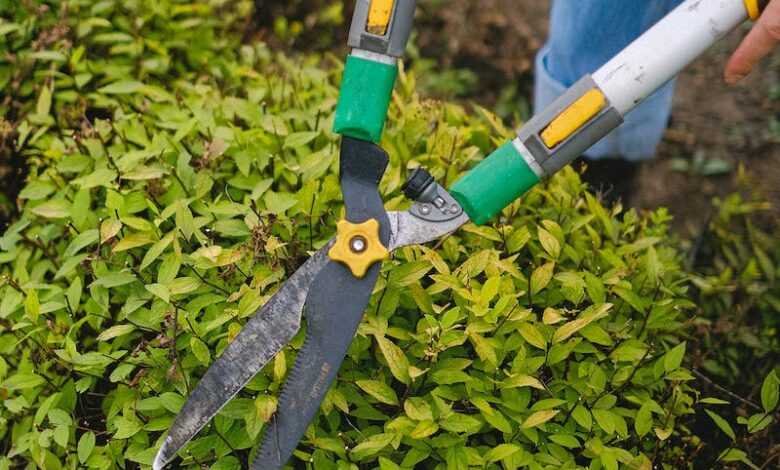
x: 596, y: 105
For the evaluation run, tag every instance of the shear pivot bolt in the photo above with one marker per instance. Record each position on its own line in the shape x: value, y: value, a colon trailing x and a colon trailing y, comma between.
x: 358, y: 244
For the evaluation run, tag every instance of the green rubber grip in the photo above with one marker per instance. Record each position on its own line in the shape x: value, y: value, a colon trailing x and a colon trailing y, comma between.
x: 366, y: 89
x: 494, y: 184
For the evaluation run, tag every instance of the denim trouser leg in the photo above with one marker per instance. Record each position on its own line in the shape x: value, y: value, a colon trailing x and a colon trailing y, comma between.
x: 584, y: 35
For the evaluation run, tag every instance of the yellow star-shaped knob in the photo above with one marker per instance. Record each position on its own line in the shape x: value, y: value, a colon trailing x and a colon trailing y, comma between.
x: 358, y: 246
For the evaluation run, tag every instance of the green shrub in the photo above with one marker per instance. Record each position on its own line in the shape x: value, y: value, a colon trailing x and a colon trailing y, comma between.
x: 737, y: 265
x: 165, y: 205
x: 738, y: 261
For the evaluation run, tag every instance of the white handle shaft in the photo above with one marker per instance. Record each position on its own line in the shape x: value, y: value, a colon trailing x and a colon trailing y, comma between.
x: 664, y: 50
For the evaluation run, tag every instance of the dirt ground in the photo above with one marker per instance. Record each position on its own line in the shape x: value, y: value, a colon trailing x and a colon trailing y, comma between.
x: 712, y: 123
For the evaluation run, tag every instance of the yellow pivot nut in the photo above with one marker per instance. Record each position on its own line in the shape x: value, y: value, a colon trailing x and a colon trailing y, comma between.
x: 379, y: 16
x: 358, y: 246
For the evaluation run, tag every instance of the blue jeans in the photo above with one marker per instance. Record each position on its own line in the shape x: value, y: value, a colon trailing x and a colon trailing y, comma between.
x: 584, y: 35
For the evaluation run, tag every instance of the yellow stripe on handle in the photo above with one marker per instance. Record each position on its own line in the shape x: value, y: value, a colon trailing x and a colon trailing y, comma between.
x: 574, y: 117
x: 754, y: 11
x: 379, y: 16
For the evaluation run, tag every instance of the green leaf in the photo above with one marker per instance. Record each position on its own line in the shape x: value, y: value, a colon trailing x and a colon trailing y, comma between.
x: 32, y: 307
x: 460, y: 423
x: 115, y: 331
x: 386, y: 464
x: 644, y: 419
x: 631, y: 298
x: 299, y: 139
x: 501, y: 452
x: 200, y: 350
x: 424, y: 429
x: 102, y: 177
x: 565, y: 440
x: 184, y: 221
x: 582, y: 417
x: 126, y: 428
x: 484, y: 349
x: 371, y: 446
x: 62, y: 435
x: 115, y: 279
x: 489, y: 290
x: 37, y: 190
x: 520, y: 380
x: 722, y: 424
x: 109, y: 229
x: 123, y: 87
x: 57, y: 209
x: 183, y: 285
x: 23, y: 381
x: 456, y: 458
x: 396, y: 359
x: 160, y: 290
x: 279, y: 203
x: 604, y: 420
x: 769, y: 392
x: 758, y: 422
x: 418, y: 409
x: 518, y: 239
x: 379, y: 390
x: 737, y: 455
x: 595, y: 288
x: 265, y: 406
x: 85, y: 446
x: 156, y: 250
x: 171, y: 401
x: 43, y: 108
x: 631, y: 350
x: 713, y: 401
x: 11, y: 300
x: 134, y: 240
x: 674, y: 357
x: 591, y: 314
x: 82, y: 240
x: 494, y: 417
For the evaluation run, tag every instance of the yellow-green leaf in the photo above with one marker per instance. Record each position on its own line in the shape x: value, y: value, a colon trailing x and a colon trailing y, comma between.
x: 134, y: 240
x: 396, y: 359
x: 115, y: 331
x: 200, y: 350
x: 379, y: 390
x: 57, y: 209
x: 521, y: 380
x: 549, y: 243
x: 590, y: 315
x: 533, y: 336
x: 108, y: 229
x: 539, y: 418
x: 501, y: 452
x: 541, y: 277
x: 424, y: 429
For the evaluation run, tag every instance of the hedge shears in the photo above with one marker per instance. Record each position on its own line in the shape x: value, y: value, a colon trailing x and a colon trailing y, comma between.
x: 333, y: 288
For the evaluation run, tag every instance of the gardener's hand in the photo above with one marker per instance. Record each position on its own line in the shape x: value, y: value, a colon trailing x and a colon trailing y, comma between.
x: 759, y: 43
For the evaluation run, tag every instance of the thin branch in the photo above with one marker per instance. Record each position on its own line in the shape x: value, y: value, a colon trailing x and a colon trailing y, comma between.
x: 726, y: 391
